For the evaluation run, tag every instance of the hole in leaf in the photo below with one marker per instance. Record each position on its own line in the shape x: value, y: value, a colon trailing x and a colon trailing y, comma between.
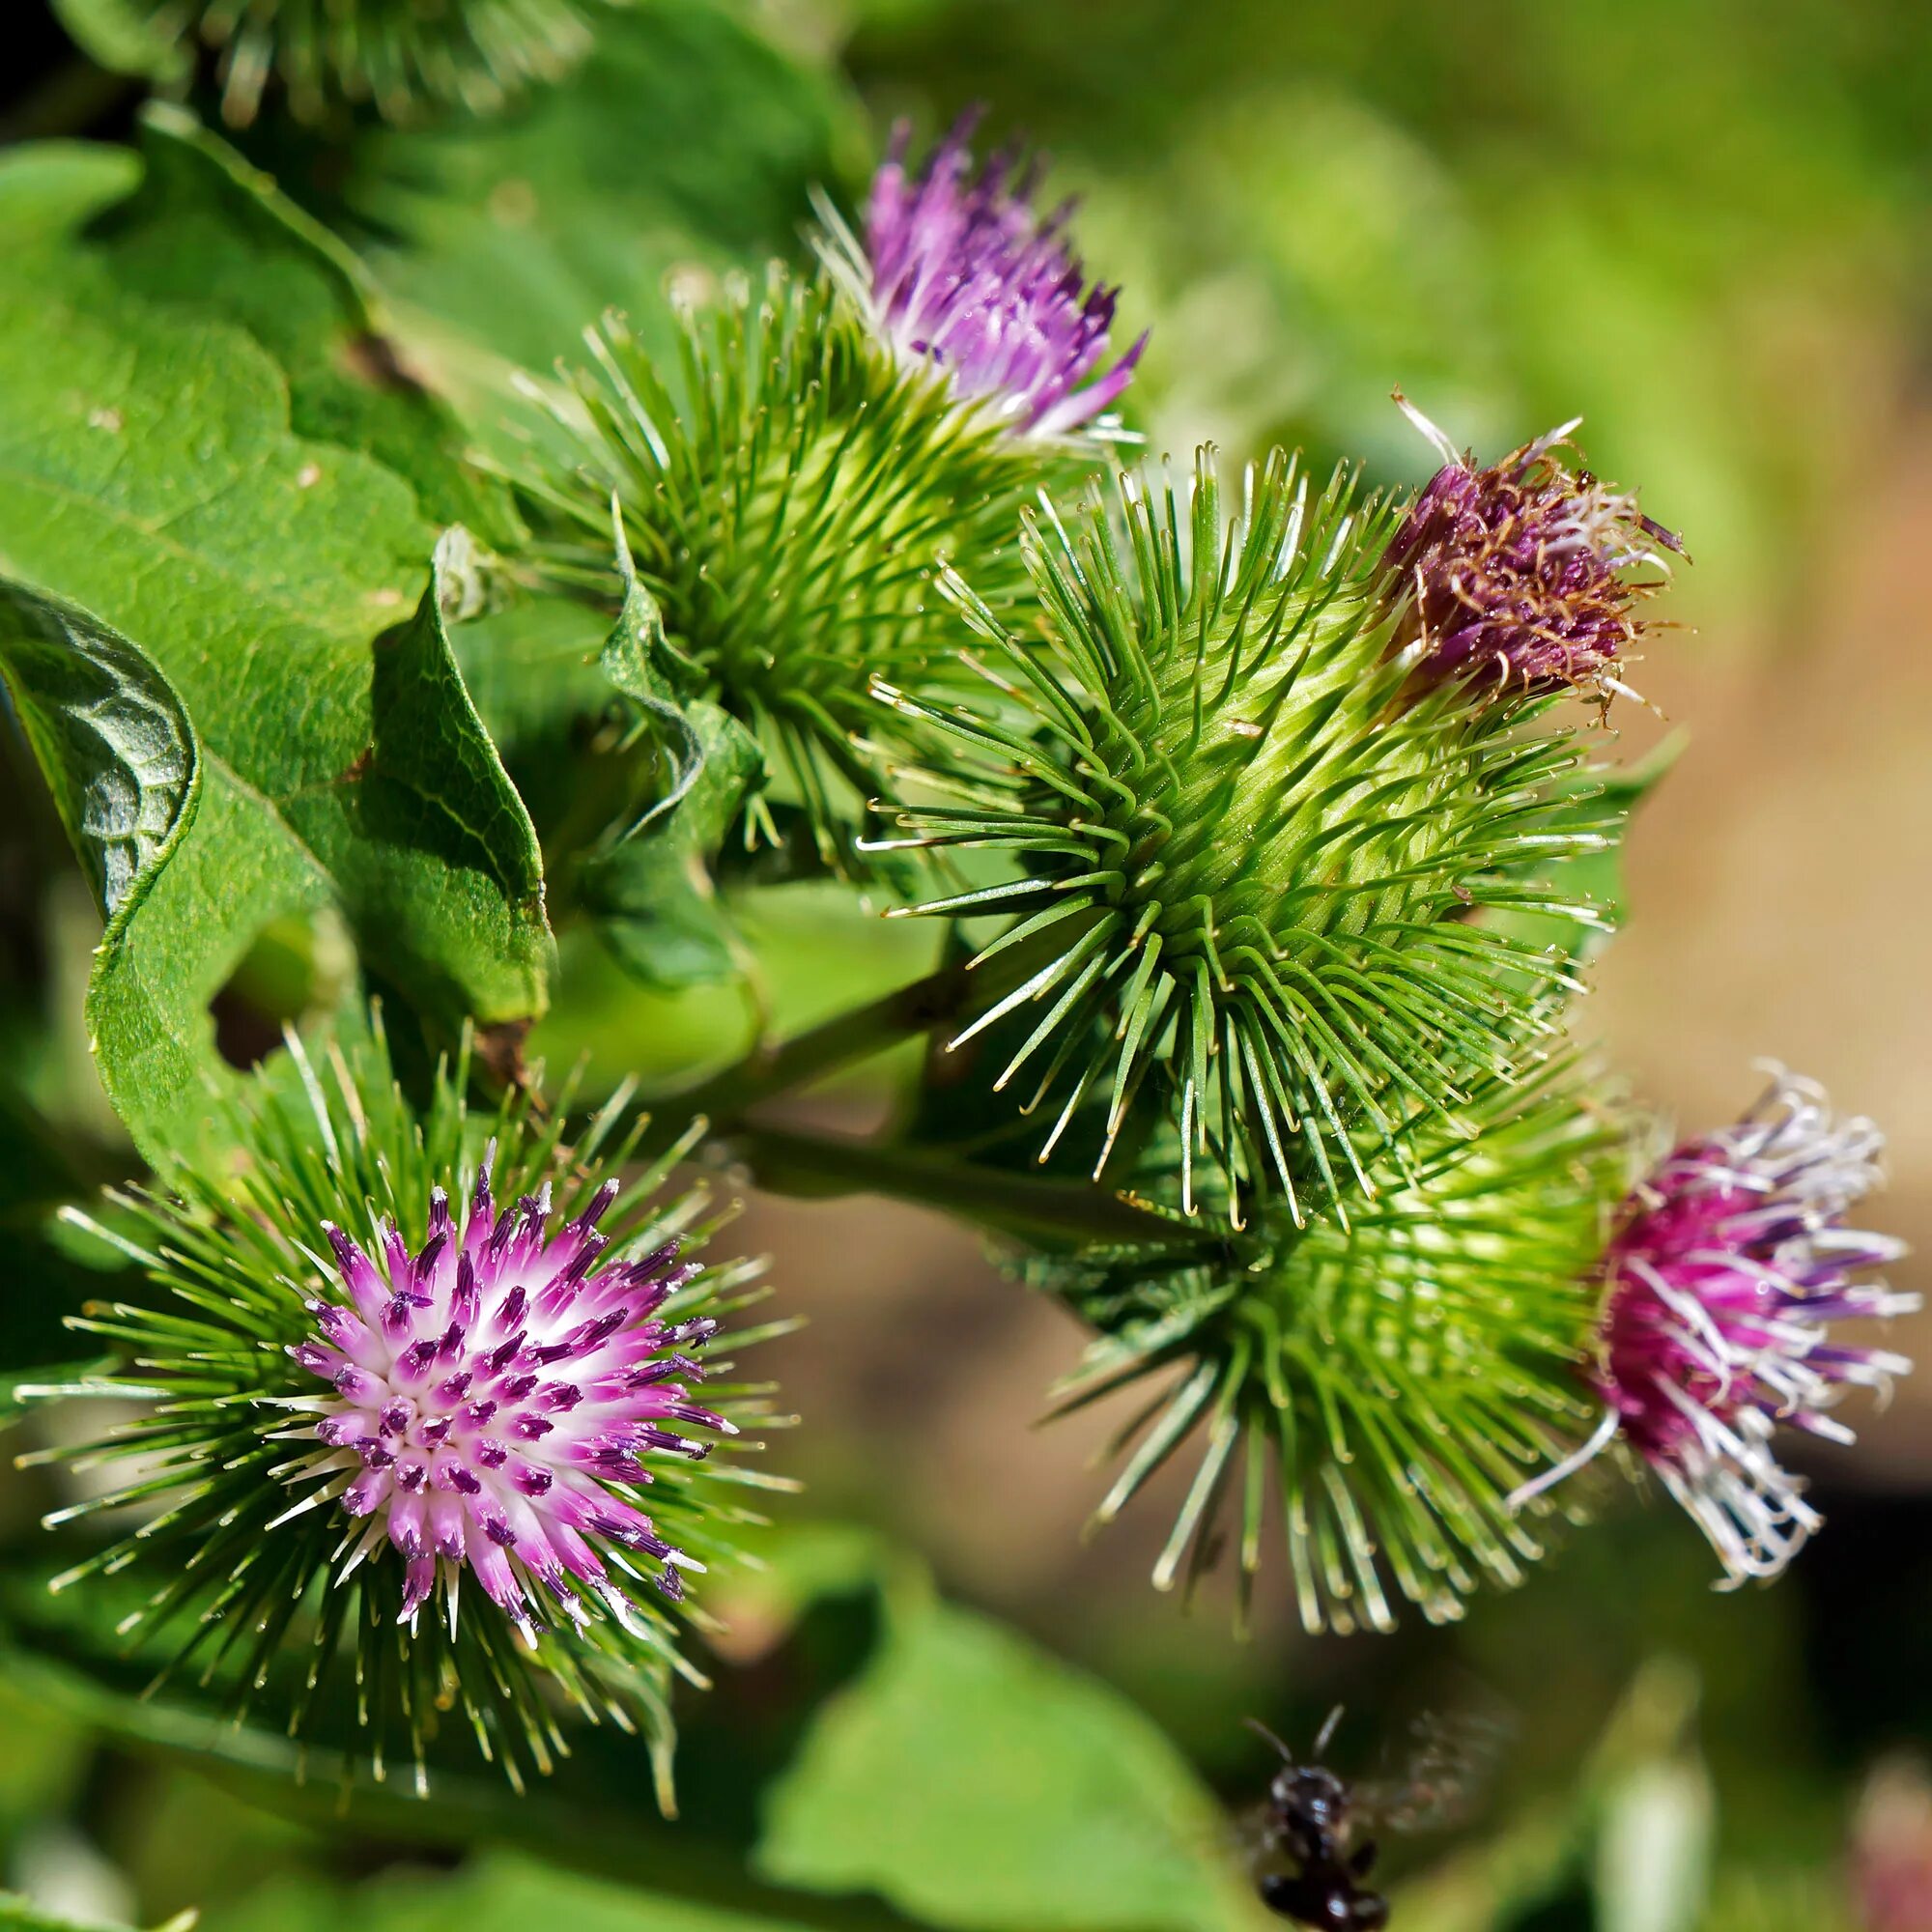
x: 294, y: 967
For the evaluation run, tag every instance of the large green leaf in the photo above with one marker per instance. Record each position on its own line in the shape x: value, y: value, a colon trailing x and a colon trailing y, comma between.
x: 190, y: 226
x: 682, y: 141
x: 416, y: 836
x: 891, y: 1760
x: 206, y: 632
x: 207, y: 232
x: 974, y: 1781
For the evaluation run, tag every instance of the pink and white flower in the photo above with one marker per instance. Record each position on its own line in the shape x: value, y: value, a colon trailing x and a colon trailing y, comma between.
x: 496, y: 1399
x: 1730, y: 1268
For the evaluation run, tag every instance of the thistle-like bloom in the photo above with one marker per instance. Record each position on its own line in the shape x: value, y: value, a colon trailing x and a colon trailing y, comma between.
x: 792, y: 482
x: 342, y: 1430
x: 1367, y: 1389
x: 1720, y: 1288
x: 497, y: 1397
x: 1519, y: 573
x: 399, y: 55
x: 1245, y: 869
x: 964, y: 277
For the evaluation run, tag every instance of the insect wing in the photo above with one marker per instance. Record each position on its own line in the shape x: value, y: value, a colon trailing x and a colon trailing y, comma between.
x: 1254, y: 1839
x: 1449, y: 1765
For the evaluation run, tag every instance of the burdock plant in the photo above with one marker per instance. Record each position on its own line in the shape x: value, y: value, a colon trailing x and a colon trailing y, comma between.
x: 824, y: 444
x: 1268, y: 825
x: 431, y: 1405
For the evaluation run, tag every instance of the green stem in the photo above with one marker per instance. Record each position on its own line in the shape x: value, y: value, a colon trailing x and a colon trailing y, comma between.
x: 821, y: 1166
x: 782, y: 1068
x: 817, y: 1166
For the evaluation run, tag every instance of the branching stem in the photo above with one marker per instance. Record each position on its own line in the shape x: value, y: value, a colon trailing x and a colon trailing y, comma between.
x: 816, y: 1165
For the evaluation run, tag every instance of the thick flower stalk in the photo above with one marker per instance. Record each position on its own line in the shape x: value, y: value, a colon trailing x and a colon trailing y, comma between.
x: 1368, y: 1391
x: 437, y: 1409
x: 789, y: 496
x: 1719, y: 1299
x: 402, y: 57
x: 1246, y: 865
x: 1520, y: 574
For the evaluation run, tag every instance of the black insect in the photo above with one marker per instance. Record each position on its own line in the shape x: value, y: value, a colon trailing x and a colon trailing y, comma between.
x: 1310, y: 1818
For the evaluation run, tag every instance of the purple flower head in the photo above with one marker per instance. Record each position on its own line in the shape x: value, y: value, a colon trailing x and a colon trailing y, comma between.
x: 1730, y: 1266
x: 1520, y: 572
x: 962, y: 275
x: 496, y: 1399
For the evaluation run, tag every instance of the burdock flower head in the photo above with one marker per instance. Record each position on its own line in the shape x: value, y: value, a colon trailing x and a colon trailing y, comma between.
x: 401, y: 57
x: 825, y: 444
x: 1363, y: 1393
x: 496, y: 1398
x: 964, y: 277
x: 1721, y: 1287
x: 438, y: 1398
x: 1521, y: 573
x: 1242, y: 868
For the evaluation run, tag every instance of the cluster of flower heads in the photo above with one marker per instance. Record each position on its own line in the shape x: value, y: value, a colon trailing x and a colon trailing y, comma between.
x: 1728, y: 1269
x: 1285, y: 824
x: 337, y: 1433
x: 1519, y: 570
x: 965, y: 278
x: 1390, y: 1372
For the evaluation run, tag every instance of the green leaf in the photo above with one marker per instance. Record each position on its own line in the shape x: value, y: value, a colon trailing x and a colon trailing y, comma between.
x: 419, y: 838
x: 209, y: 232
x: 194, y: 228
x: 960, y: 1775
x: 49, y: 188
x: 113, y: 739
x: 150, y: 479
x: 974, y: 1781
x: 682, y: 142
x: 648, y: 883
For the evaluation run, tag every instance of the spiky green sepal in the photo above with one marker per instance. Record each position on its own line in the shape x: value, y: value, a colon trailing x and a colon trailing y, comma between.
x: 1377, y: 1385
x: 788, y: 499
x: 252, y: 1569
x: 402, y: 57
x: 1249, y: 857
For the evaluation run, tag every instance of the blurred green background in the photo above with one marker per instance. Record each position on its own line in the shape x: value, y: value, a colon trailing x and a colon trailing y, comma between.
x: 1702, y: 225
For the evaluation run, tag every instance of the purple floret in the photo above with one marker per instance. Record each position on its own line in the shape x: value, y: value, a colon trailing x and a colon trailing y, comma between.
x: 967, y: 279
